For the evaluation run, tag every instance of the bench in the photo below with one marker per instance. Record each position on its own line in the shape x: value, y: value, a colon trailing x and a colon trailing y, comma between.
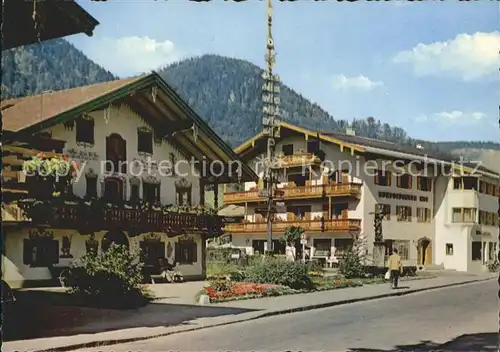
x: 165, y: 272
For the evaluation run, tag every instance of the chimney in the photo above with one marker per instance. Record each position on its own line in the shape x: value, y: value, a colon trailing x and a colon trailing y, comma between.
x: 350, y: 131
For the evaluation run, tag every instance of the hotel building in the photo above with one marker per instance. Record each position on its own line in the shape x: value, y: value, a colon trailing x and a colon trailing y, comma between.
x: 439, y: 213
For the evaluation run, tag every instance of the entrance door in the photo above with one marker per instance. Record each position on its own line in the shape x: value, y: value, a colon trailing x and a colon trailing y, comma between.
x: 424, y: 252
x: 117, y: 237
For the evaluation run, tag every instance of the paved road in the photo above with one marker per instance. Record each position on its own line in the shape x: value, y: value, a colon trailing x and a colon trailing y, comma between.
x: 399, y: 323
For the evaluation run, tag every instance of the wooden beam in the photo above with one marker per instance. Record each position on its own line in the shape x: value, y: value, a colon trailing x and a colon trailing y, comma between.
x: 27, y: 151
x: 9, y: 160
x: 19, y: 176
x: 168, y: 114
x: 13, y: 190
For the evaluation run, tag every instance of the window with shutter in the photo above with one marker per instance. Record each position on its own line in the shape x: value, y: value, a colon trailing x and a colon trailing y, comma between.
x: 40, y: 252
x: 186, y: 252
x: 85, y: 130
x: 151, y: 192
x: 144, y: 142
x: 152, y: 251
x: 383, y: 178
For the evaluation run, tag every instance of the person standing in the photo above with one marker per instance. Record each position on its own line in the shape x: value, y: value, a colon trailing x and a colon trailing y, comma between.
x: 395, y: 268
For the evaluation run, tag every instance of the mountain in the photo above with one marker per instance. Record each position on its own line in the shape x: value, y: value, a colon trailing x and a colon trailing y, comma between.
x: 51, y: 65
x: 224, y: 91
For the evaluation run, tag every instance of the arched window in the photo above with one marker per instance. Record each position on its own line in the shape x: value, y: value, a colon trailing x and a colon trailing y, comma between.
x: 116, y: 153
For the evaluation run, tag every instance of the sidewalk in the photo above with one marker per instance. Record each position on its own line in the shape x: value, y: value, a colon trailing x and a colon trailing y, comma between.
x: 165, y: 317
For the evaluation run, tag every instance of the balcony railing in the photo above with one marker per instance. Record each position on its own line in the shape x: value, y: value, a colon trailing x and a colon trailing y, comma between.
x: 301, y: 192
x: 298, y: 159
x: 330, y: 225
x: 75, y: 216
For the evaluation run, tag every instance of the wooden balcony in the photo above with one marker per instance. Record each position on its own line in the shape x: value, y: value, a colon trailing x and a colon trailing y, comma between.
x: 327, y: 225
x: 298, y: 159
x: 133, y: 220
x: 301, y: 192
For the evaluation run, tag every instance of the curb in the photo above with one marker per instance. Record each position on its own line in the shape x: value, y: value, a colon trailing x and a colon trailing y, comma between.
x: 263, y: 315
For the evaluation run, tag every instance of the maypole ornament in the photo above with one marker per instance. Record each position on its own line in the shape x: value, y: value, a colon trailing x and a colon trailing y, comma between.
x: 107, y: 114
x: 195, y: 133
x: 154, y: 93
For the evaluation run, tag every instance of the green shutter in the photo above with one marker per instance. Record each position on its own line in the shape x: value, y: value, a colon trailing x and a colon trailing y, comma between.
x: 194, y: 252
x: 161, y: 250
x: 177, y: 252
x: 27, y: 251
x: 53, y: 251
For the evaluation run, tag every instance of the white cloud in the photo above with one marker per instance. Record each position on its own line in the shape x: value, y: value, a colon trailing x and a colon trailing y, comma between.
x: 341, y: 82
x: 132, y: 55
x: 469, y: 57
x: 455, y: 116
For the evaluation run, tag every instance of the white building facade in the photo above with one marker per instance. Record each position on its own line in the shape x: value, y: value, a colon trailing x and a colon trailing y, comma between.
x: 359, y: 177
x: 147, y: 168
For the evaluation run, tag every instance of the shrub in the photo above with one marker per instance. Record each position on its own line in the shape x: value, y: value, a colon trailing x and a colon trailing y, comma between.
x: 220, y: 269
x: 111, y: 279
x: 351, y: 265
x: 315, y: 266
x: 280, y: 272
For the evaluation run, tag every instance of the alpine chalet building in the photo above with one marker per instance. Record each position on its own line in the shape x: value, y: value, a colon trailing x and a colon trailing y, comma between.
x: 438, y: 213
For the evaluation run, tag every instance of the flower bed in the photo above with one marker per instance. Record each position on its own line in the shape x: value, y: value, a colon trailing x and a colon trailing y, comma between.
x: 223, y: 291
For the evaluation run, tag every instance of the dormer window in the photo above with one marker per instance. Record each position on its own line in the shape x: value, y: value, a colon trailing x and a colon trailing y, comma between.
x: 312, y: 147
x: 287, y: 149
x: 85, y: 131
x: 144, y: 141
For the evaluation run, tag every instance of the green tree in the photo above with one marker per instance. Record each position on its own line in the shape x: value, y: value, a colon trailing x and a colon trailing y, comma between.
x: 292, y: 236
x: 110, y: 279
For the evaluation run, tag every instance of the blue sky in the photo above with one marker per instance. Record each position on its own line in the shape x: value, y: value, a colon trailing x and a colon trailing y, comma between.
x: 429, y: 67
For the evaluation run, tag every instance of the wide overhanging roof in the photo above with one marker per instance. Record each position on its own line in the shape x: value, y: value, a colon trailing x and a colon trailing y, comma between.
x: 151, y: 98
x: 258, y: 144
x: 358, y: 145
x: 58, y: 18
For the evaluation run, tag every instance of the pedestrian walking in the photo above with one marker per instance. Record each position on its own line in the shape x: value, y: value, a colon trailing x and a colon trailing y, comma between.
x: 395, y: 268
